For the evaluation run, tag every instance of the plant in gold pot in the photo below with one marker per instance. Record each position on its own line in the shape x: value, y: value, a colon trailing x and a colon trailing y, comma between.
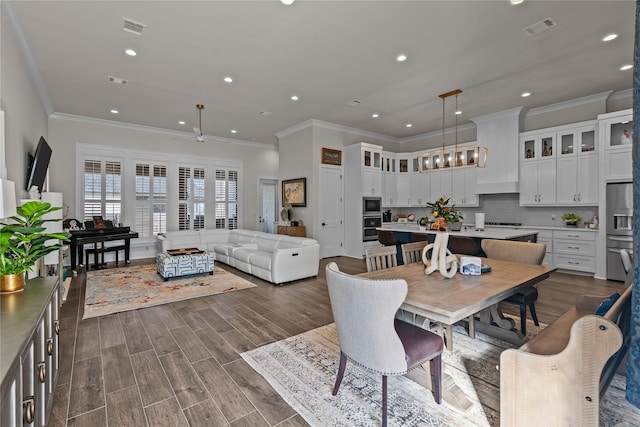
x: 24, y: 241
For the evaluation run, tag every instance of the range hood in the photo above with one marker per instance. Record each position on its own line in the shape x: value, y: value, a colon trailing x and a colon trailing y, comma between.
x: 500, y: 133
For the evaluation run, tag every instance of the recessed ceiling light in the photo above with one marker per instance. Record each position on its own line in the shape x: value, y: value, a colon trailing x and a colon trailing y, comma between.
x: 458, y: 112
x: 228, y: 79
x: 610, y: 37
x: 130, y: 52
x: 525, y: 94
x: 114, y: 111
x: 515, y: 2
x: 287, y: 2
x: 626, y: 67
x: 408, y: 125
x: 295, y: 97
x: 234, y: 131
x: 181, y: 122
x: 375, y: 115
x: 401, y: 58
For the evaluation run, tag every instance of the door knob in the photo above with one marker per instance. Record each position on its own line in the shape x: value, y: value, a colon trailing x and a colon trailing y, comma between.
x: 323, y: 224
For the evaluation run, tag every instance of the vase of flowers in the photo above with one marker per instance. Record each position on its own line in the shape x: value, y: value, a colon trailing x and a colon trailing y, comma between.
x: 444, y: 215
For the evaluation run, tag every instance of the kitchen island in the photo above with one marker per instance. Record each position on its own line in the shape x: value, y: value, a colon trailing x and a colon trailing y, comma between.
x: 499, y: 233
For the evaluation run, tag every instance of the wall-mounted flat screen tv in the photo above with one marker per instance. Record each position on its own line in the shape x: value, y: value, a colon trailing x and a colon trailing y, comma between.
x: 38, y: 169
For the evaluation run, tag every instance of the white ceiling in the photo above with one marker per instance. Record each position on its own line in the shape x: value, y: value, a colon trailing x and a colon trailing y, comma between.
x: 327, y: 52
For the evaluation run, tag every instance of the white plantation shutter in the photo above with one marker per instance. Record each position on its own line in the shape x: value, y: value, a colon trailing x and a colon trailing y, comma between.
x: 151, y: 199
x: 198, y: 198
x: 92, y: 189
x: 226, y: 198
x: 113, y: 191
x: 102, y: 189
x: 143, y: 192
x: 191, y: 198
x: 184, y: 192
x: 159, y: 199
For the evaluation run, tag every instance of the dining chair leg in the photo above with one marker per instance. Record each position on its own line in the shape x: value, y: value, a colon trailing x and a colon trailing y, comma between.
x: 523, y: 319
x: 343, y: 364
x: 384, y: 401
x: 436, y: 375
x: 534, y: 316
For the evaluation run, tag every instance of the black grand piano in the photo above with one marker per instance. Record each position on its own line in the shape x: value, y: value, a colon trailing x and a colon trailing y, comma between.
x: 96, y: 236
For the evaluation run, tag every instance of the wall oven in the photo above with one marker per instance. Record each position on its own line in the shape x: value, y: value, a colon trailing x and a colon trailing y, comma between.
x: 369, y: 225
x: 371, y: 206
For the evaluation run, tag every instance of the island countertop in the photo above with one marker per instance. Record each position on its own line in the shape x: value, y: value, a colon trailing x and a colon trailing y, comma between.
x: 488, y: 233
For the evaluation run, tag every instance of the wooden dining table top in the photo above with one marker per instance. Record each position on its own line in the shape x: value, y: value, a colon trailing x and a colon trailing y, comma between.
x: 451, y: 300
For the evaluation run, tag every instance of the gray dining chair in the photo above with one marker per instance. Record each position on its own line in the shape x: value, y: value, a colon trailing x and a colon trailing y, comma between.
x: 526, y: 253
x: 412, y: 252
x: 627, y: 264
x: 370, y: 336
x: 380, y: 258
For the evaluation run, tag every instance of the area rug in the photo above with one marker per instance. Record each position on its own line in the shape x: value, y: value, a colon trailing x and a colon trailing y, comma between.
x: 302, y: 370
x: 121, y: 289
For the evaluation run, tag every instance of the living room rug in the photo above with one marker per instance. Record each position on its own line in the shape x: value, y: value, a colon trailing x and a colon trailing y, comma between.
x: 128, y: 288
x: 302, y: 369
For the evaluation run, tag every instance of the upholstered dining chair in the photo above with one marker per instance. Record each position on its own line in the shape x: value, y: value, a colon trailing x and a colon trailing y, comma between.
x: 380, y: 258
x: 464, y: 246
x: 526, y: 253
x: 627, y: 264
x: 369, y: 335
x: 412, y: 252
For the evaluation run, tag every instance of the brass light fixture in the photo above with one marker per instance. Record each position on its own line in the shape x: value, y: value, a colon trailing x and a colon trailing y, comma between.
x: 453, y: 157
x: 198, y: 130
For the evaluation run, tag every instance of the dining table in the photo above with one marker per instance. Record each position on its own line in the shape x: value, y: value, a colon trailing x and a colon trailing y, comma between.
x: 434, y: 299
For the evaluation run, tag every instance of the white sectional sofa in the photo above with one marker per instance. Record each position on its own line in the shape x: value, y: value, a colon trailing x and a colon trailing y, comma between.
x: 273, y: 257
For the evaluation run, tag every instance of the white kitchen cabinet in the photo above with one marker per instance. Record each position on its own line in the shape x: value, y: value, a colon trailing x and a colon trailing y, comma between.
x: 617, y: 145
x: 577, y: 166
x: 389, y: 180
x: 463, y: 187
x: 574, y: 250
x: 537, y: 169
x: 440, y: 185
x: 546, y: 237
x: 403, y: 178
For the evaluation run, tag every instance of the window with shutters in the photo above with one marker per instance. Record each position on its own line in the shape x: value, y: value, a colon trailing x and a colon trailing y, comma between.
x: 102, y: 189
x: 226, y: 199
x: 151, y: 199
x: 191, y: 198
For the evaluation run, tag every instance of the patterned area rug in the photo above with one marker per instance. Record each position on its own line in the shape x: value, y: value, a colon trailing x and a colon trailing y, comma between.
x: 302, y: 370
x: 121, y: 289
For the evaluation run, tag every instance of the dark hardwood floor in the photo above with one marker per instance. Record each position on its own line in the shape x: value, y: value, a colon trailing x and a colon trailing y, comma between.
x: 179, y: 364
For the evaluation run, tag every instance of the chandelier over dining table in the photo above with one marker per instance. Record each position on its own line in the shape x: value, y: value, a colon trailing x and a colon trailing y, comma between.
x: 454, y: 156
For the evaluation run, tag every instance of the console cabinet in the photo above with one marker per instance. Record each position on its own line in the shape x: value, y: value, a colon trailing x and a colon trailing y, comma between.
x: 29, y: 327
x: 300, y: 231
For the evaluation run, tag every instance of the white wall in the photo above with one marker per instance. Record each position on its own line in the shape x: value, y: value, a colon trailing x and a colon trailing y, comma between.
x: 25, y: 117
x: 66, y: 131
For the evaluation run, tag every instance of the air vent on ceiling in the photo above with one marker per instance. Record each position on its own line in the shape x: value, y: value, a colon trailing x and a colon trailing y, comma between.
x: 539, y: 26
x: 118, y: 80
x: 133, y: 27
x: 265, y: 113
x: 354, y: 103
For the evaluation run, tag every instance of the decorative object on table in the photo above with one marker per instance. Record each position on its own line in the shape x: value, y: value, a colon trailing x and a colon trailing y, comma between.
x: 441, y: 258
x: 294, y: 192
x: 286, y: 213
x: 444, y: 214
x: 24, y: 242
x: 331, y: 157
x: 129, y: 288
x: 467, y: 156
x: 411, y: 217
x: 470, y: 265
x: 571, y: 219
x: 402, y: 218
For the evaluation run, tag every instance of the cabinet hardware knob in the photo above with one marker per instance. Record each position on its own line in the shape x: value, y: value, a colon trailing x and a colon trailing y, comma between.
x: 42, y: 372
x: 50, y: 346
x: 56, y: 326
x: 29, y: 410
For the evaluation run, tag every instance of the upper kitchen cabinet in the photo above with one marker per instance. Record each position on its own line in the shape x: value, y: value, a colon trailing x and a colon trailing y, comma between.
x: 577, y: 165
x: 464, y: 179
x: 537, y: 168
x: 615, y: 130
x: 365, y: 160
x: 389, y: 179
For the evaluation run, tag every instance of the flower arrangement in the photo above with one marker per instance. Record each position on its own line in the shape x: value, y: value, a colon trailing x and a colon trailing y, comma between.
x: 443, y: 213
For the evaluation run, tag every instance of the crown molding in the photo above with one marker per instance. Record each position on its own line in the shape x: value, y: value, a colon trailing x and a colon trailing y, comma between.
x: 435, y: 133
x: 10, y: 17
x: 598, y: 97
x: 621, y: 94
x: 169, y: 132
x: 332, y: 126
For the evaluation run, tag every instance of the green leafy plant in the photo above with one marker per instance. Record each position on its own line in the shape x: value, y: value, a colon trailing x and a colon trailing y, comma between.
x: 441, y: 209
x: 571, y: 218
x: 423, y: 222
x: 24, y: 241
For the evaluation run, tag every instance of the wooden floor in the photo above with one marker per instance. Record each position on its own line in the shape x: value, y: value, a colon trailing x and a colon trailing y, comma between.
x: 179, y: 364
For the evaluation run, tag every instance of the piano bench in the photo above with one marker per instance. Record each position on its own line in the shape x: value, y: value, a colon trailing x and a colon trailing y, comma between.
x: 101, y: 251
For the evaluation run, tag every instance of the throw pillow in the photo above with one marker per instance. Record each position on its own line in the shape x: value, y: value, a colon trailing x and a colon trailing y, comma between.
x: 606, y: 304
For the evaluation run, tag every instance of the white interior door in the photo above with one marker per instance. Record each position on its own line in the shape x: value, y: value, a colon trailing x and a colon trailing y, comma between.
x: 267, y: 201
x: 331, y: 234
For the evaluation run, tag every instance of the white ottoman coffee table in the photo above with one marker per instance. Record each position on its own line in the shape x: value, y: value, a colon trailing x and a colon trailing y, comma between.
x: 184, y: 262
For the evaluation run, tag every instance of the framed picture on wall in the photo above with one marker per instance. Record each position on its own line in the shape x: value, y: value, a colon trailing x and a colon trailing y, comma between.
x: 331, y: 157
x: 294, y: 192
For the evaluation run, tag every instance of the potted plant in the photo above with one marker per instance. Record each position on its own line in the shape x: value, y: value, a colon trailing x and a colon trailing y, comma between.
x: 24, y: 241
x: 571, y: 219
x: 423, y: 222
x: 445, y: 215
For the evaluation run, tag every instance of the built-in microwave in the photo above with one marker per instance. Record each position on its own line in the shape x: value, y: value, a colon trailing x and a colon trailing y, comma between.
x: 371, y: 206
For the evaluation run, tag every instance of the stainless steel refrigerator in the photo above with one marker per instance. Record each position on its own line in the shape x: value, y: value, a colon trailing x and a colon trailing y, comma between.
x: 619, y: 226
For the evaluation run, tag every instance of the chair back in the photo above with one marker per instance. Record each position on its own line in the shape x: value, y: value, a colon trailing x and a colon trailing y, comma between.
x: 412, y: 252
x: 463, y: 245
x: 387, y: 238
x: 380, y: 258
x: 625, y: 255
x: 509, y: 250
x: 364, y: 311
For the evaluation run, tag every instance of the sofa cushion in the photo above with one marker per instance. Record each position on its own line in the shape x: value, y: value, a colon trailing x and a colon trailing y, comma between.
x: 244, y: 254
x: 606, y: 304
x: 268, y: 243
x: 262, y: 259
x: 224, y: 248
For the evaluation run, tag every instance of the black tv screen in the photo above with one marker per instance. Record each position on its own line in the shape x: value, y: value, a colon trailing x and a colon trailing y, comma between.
x: 38, y: 169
